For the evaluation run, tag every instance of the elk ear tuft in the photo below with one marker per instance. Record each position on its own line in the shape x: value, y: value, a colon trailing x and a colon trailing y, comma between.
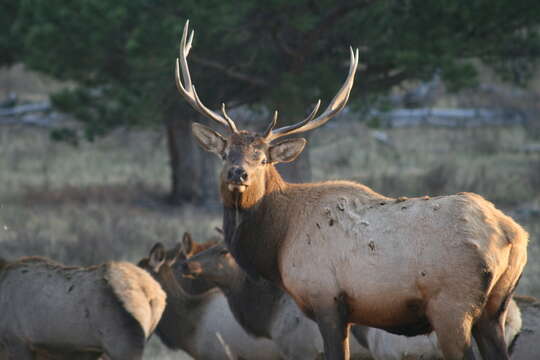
x: 157, y: 256
x: 209, y: 139
x: 287, y: 150
x: 187, y: 244
x: 173, y: 254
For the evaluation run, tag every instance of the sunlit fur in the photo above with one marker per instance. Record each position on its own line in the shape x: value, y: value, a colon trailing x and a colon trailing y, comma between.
x: 386, y: 346
x: 343, y: 251
x: 53, y: 309
x: 262, y: 308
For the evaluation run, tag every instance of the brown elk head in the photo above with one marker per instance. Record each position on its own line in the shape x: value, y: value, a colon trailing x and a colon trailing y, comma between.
x: 162, y: 264
x: 248, y: 156
x: 215, y: 264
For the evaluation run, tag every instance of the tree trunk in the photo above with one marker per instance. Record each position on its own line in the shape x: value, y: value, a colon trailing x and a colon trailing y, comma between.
x: 193, y: 173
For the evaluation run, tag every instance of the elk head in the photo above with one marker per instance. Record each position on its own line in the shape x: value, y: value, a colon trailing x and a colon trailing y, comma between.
x: 214, y: 264
x: 249, y: 157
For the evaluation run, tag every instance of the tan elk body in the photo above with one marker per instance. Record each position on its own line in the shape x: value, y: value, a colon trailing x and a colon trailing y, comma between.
x: 50, y: 308
x: 260, y: 307
x: 347, y: 254
x: 387, y: 346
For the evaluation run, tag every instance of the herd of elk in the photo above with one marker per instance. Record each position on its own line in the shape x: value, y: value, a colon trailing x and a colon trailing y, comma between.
x: 199, y: 323
x: 438, y: 270
x: 347, y: 254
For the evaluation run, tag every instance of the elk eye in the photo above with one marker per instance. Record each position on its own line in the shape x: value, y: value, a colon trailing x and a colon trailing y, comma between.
x: 256, y: 155
x: 264, y: 161
x: 224, y: 252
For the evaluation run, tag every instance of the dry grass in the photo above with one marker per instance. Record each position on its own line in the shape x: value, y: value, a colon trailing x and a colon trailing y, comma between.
x: 431, y: 161
x: 104, y: 200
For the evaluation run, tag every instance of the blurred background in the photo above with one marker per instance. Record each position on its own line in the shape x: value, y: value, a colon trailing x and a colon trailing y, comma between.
x: 97, y: 161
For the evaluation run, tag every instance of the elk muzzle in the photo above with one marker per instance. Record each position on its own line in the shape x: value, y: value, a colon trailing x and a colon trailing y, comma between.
x: 191, y: 269
x: 237, y: 178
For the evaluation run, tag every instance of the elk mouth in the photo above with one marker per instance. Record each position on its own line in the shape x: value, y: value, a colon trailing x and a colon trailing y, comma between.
x: 237, y: 187
x: 191, y: 270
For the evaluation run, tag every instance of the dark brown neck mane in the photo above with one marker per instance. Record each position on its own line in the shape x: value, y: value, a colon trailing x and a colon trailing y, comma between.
x: 182, y: 313
x: 253, y: 303
x: 255, y: 246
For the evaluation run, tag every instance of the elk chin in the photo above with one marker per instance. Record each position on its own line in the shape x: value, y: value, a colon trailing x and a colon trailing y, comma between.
x: 237, y: 187
x: 191, y: 270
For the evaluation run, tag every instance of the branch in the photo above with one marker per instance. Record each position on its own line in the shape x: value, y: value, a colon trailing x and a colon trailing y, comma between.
x: 252, y: 80
x: 282, y: 44
x: 332, y: 17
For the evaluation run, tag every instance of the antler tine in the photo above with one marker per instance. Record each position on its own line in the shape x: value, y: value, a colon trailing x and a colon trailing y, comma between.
x: 335, y: 106
x: 187, y: 89
x: 230, y: 121
x: 271, y: 125
x: 286, y: 130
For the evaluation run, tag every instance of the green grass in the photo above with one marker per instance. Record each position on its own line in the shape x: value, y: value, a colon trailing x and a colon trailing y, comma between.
x: 103, y: 201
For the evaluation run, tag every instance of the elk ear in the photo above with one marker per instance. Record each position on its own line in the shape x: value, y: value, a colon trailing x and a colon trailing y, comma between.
x: 287, y: 150
x: 187, y: 244
x: 157, y: 256
x: 173, y: 255
x: 209, y: 139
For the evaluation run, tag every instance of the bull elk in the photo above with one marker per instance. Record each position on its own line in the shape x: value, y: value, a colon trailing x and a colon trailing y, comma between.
x: 347, y: 254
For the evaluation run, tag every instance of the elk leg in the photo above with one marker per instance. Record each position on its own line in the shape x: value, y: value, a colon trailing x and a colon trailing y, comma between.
x: 489, y: 335
x: 332, y: 322
x: 453, y: 327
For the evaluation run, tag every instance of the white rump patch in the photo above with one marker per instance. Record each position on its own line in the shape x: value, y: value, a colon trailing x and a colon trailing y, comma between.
x: 140, y: 294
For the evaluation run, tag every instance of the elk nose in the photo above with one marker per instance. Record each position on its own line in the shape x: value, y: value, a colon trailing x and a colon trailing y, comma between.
x: 237, y: 174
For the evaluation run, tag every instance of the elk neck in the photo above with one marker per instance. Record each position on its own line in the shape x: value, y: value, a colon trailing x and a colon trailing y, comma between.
x: 182, y: 314
x: 253, y: 303
x: 254, y: 225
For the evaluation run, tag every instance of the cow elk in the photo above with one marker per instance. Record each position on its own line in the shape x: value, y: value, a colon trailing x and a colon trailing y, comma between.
x: 527, y: 345
x: 347, y: 254
x: 53, y: 311
x: 200, y: 323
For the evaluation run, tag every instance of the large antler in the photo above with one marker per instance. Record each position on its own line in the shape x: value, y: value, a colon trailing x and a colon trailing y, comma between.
x: 187, y: 89
x: 309, y: 123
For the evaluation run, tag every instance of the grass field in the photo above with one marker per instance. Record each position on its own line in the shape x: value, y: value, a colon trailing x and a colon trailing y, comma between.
x: 102, y: 201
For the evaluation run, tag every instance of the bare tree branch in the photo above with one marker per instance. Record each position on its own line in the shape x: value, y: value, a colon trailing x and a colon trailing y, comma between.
x: 332, y: 17
x: 252, y: 80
